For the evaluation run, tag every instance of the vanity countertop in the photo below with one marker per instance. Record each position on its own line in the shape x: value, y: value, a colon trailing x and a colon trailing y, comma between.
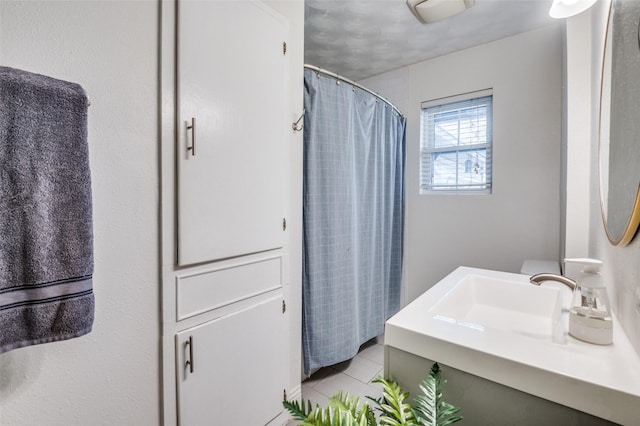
x: 600, y: 380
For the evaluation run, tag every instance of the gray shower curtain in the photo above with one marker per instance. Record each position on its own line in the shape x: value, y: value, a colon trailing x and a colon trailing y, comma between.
x: 353, y: 201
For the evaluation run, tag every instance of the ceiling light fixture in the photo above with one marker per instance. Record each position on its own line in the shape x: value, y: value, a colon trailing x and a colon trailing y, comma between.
x: 565, y: 8
x: 428, y: 11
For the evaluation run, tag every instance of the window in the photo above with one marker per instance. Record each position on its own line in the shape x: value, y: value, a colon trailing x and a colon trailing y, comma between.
x: 455, y: 144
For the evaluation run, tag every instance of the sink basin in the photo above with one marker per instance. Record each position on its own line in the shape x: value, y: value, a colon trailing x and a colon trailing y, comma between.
x: 479, y: 301
x: 499, y: 327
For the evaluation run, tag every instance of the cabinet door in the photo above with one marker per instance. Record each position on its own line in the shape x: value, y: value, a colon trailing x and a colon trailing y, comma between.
x: 239, y: 368
x: 232, y: 129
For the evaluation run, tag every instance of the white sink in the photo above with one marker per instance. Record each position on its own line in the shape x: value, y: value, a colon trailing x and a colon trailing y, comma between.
x: 479, y: 301
x: 498, y: 326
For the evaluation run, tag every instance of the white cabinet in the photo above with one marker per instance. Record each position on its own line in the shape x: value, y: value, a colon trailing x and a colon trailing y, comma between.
x: 226, y: 147
x: 232, y: 370
x: 232, y: 98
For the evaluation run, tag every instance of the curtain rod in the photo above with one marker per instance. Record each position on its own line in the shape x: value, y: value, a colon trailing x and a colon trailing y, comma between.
x: 353, y: 83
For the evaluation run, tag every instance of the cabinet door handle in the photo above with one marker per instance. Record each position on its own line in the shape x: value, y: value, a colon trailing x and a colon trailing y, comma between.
x: 192, y: 127
x: 189, y: 362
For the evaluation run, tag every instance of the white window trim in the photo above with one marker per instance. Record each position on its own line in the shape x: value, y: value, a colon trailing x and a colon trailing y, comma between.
x: 456, y: 98
x: 450, y: 100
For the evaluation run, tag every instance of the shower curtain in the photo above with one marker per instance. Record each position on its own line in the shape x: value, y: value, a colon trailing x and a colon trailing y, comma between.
x: 353, y: 208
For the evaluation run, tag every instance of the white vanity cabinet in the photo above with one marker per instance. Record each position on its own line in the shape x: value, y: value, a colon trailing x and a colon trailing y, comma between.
x: 232, y: 131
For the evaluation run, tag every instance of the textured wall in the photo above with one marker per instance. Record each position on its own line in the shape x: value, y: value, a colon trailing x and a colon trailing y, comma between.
x: 521, y: 218
x: 110, y: 376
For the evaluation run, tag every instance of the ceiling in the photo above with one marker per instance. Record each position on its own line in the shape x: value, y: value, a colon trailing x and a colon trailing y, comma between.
x: 361, y: 38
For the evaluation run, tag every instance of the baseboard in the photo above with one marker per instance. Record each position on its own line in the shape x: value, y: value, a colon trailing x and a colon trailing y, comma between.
x: 296, y: 393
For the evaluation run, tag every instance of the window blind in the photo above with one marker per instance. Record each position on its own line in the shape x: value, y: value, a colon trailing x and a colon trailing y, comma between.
x: 456, y: 137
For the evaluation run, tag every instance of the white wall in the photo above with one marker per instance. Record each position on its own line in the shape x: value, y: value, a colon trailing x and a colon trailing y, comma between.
x: 521, y: 218
x: 111, y: 376
x: 393, y: 86
x: 578, y: 142
x: 621, y: 264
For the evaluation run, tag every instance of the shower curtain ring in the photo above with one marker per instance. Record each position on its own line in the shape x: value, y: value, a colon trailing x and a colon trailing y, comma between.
x: 296, y: 126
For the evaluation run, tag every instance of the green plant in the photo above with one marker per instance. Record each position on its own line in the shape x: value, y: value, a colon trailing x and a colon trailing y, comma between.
x: 434, y: 411
x: 394, y: 411
x: 343, y: 410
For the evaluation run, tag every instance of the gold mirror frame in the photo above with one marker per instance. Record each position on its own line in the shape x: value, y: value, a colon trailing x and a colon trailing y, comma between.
x: 623, y: 235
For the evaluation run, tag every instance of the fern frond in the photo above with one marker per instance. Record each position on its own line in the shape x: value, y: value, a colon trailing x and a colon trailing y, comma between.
x: 343, y: 410
x: 395, y: 412
x: 431, y: 410
x: 331, y: 416
x: 345, y: 402
x: 370, y: 415
x: 298, y: 410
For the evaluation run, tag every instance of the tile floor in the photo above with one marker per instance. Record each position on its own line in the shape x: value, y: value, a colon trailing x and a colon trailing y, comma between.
x: 353, y: 376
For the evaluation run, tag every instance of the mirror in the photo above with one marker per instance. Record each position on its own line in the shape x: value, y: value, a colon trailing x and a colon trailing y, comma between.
x: 619, y: 157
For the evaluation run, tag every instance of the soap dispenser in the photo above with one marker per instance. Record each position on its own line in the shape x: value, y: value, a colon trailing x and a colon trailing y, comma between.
x: 590, y: 316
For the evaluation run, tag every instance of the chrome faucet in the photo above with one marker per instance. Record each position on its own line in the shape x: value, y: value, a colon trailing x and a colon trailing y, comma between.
x: 538, y: 279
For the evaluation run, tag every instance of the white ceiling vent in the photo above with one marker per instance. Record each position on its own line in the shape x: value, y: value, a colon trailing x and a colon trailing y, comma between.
x: 428, y: 11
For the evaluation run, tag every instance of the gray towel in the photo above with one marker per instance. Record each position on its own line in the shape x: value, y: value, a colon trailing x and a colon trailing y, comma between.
x: 46, y: 246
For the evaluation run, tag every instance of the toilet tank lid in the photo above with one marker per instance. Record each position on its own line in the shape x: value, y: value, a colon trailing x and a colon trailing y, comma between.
x: 532, y: 267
